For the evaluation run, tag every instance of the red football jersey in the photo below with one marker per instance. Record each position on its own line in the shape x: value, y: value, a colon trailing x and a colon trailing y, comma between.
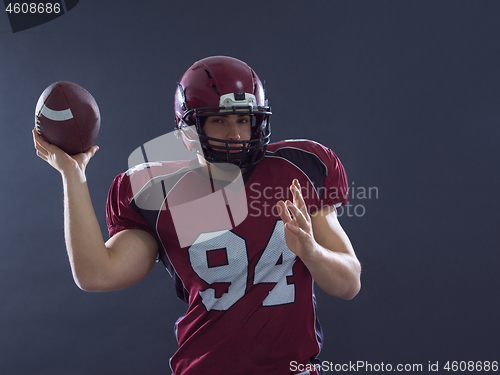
x: 251, y: 301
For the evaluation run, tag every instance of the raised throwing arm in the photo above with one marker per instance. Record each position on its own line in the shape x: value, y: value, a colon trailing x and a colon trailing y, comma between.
x: 124, y: 259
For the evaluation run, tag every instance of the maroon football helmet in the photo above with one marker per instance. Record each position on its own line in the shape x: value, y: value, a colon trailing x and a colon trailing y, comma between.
x: 222, y: 85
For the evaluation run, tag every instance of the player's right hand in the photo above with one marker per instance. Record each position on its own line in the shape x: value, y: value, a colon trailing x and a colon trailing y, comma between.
x: 59, y: 159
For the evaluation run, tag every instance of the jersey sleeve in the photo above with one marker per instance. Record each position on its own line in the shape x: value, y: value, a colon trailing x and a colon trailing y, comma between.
x: 320, y: 165
x: 119, y: 213
x: 335, y: 187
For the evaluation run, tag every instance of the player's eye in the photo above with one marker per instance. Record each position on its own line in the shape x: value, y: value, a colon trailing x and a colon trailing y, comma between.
x: 216, y: 120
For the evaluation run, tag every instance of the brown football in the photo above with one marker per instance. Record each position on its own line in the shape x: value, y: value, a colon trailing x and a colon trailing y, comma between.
x: 67, y: 116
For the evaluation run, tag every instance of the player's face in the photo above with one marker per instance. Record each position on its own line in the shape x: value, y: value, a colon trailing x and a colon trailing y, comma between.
x: 228, y: 128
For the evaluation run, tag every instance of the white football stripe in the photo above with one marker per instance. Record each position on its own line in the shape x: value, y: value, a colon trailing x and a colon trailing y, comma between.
x: 57, y: 115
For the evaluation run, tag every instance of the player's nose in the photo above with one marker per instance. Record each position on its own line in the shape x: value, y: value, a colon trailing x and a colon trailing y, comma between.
x: 233, y: 131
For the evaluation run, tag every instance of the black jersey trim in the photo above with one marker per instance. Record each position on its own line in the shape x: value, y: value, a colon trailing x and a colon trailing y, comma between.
x: 304, y: 160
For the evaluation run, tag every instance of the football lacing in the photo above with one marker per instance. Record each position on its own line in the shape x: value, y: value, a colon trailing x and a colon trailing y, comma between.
x: 38, y: 125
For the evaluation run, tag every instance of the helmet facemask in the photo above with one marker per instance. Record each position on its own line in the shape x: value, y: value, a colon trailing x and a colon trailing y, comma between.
x: 243, y: 153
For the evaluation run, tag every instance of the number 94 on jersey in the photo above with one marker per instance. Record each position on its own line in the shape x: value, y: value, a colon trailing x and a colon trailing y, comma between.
x: 274, y: 266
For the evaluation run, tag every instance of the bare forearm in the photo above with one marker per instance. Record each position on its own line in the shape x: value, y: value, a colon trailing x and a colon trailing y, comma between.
x: 336, y: 273
x: 84, y: 242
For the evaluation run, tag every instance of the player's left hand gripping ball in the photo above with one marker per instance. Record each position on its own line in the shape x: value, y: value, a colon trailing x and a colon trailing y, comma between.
x: 67, y: 116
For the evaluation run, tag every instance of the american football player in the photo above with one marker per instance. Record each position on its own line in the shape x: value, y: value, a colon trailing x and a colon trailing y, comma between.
x: 246, y: 268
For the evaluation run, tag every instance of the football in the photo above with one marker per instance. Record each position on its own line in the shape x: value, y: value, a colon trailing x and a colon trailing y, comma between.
x: 67, y: 116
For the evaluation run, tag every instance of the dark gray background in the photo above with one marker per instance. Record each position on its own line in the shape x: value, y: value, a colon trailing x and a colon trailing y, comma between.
x: 405, y: 92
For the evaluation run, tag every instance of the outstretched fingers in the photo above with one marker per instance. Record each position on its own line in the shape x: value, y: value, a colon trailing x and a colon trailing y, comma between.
x: 299, y: 221
x: 298, y: 200
x: 294, y: 214
x: 283, y: 212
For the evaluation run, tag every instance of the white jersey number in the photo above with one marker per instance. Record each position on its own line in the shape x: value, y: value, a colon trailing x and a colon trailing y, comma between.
x: 274, y: 265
